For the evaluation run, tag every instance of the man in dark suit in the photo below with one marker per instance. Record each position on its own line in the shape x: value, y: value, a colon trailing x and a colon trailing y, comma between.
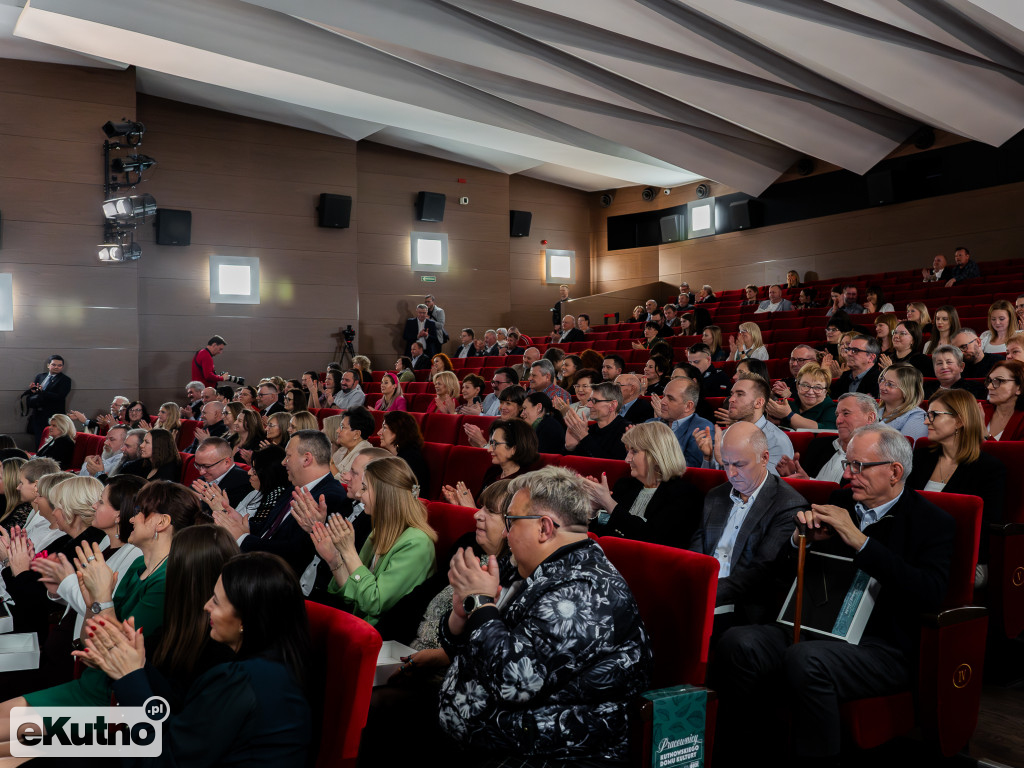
x: 862, y: 355
x: 47, y: 395
x: 421, y: 328
x: 420, y: 359
x: 746, y: 523
x: 267, y: 398
x: 308, y: 461
x: 893, y: 535
x: 491, y: 346
x: 216, y: 468
x: 213, y: 425
x: 563, y: 299
x: 822, y: 458
x: 569, y: 330
x: 468, y: 346
x: 714, y: 382
x: 635, y: 409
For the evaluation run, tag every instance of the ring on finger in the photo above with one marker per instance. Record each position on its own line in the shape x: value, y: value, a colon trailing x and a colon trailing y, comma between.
x: 90, y: 558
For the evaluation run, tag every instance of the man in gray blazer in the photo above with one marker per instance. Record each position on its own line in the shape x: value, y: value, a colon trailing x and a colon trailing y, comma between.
x: 746, y: 522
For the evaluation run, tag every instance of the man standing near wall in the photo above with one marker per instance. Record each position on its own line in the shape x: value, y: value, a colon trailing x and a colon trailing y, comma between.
x: 47, y: 395
x: 436, y: 314
x: 202, y: 362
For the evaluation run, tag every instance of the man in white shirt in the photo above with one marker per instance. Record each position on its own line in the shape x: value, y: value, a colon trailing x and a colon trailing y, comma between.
x: 350, y: 394
x: 823, y: 457
x: 775, y: 302
x: 937, y: 271
x: 110, y: 457
x: 436, y: 314
x: 468, y: 348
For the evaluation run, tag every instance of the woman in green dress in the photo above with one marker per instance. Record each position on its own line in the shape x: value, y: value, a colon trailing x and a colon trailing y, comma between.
x: 163, y: 508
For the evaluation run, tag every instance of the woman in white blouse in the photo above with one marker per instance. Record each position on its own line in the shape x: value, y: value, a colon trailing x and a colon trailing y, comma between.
x: 1002, y: 323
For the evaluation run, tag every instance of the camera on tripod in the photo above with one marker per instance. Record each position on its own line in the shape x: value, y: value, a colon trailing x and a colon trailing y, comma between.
x: 240, y: 380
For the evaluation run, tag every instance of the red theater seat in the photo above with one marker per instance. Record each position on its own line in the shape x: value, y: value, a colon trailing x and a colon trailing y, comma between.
x: 85, y: 445
x: 441, y: 427
x: 484, y: 422
x: 467, y: 464
x: 436, y: 456
x: 588, y: 467
x: 451, y: 522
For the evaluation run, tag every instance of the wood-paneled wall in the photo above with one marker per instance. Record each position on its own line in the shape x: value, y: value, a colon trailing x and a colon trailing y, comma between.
x: 50, y: 195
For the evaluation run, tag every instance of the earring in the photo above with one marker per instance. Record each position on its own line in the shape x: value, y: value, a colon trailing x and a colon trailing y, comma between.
x: 156, y: 535
x: 241, y: 630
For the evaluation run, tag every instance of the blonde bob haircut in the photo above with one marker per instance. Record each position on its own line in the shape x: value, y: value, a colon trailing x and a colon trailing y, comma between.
x: 74, y: 498
x: 46, y: 484
x: 926, y: 318
x: 331, y: 425
x: 755, y: 334
x: 970, y: 435
x: 664, y: 456
x: 889, y: 319
x: 395, y: 503
x: 304, y: 420
x: 911, y: 384
x: 65, y: 426
x: 449, y: 382
x: 815, y: 371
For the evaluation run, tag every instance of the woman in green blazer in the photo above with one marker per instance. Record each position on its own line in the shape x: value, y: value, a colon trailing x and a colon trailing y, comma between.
x: 398, y: 554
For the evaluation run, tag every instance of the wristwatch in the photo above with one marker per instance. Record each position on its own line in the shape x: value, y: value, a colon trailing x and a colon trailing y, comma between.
x: 473, y: 602
x: 98, y: 607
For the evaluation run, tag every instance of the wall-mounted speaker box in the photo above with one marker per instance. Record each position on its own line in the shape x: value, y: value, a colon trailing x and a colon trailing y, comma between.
x: 173, y: 227
x: 744, y: 214
x: 881, y: 189
x: 519, y: 223
x: 334, y: 211
x: 671, y: 228
x: 430, y: 206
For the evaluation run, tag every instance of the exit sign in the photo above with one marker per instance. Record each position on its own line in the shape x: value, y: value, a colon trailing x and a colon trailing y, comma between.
x: 428, y: 278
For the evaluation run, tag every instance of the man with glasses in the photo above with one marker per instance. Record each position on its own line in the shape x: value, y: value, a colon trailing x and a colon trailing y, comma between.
x: 548, y: 672
x: 862, y: 376
x: 217, y: 470
x: 801, y: 355
x: 603, y: 438
x: 266, y: 397
x: 746, y: 521
x: 823, y: 457
x: 893, y: 535
x: 977, y: 363
x: 501, y: 380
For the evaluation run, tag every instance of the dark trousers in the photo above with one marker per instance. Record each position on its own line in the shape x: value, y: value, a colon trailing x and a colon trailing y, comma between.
x: 757, y: 668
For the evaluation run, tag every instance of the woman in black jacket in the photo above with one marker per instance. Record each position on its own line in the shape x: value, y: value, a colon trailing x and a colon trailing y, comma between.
x: 159, y: 458
x: 539, y: 413
x: 400, y: 435
x: 60, y: 444
x: 656, y: 503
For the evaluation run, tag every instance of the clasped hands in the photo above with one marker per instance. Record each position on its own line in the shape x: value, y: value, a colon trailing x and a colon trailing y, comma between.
x: 468, y: 577
x: 115, y: 648
x: 16, y: 548
x: 825, y: 520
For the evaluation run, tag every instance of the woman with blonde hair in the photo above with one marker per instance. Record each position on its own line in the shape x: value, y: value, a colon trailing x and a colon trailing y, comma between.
x: 231, y: 412
x: 446, y: 385
x: 60, y: 444
x: 277, y: 428
x: 749, y: 344
x: 816, y: 409
x: 1002, y: 323
x: 399, y: 552
x: 362, y: 364
x: 169, y: 418
x: 302, y: 420
x: 16, y: 510
x: 901, y: 390
x: 918, y: 313
x: 712, y: 336
x: 885, y: 324
x: 945, y: 326
x: 655, y: 502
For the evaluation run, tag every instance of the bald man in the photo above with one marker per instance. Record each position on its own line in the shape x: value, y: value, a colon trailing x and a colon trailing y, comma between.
x: 746, y: 522
x: 635, y: 409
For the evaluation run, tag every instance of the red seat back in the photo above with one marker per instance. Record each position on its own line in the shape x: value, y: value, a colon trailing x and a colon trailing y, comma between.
x: 85, y: 445
x: 484, y: 422
x: 441, y: 427
x: 815, y: 491
x: 344, y: 656
x: 467, y: 464
x: 966, y: 512
x: 436, y: 456
x: 706, y: 479
x: 187, y: 432
x: 1012, y: 456
x: 451, y: 522
x: 189, y: 473
x: 588, y: 467
x: 801, y: 440
x: 660, y: 576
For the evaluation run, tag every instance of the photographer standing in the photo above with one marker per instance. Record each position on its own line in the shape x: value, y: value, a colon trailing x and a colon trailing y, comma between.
x: 47, y: 395
x: 202, y: 364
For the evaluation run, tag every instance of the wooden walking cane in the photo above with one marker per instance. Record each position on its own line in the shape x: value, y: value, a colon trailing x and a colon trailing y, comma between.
x: 800, y: 558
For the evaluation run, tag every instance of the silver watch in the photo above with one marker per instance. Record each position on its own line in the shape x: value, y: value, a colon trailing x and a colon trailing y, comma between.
x: 98, y: 607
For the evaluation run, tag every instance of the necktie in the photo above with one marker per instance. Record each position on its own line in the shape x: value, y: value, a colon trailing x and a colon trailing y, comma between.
x: 272, y: 528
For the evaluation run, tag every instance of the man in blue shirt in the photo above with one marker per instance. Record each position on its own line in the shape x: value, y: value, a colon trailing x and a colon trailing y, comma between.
x: 676, y: 408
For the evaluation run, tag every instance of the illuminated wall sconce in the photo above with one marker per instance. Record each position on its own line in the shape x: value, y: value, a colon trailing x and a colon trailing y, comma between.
x: 429, y: 251
x: 234, y: 280
x: 560, y: 267
x: 700, y: 217
x: 6, y: 301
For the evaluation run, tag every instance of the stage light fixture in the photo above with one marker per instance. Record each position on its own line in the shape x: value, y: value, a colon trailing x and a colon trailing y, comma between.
x: 118, y: 246
x: 128, y: 209
x: 130, y: 129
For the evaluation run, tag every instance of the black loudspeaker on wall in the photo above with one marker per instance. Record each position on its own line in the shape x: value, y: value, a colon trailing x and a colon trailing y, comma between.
x: 334, y: 211
x: 671, y: 228
x: 173, y: 227
x: 430, y: 206
x: 881, y: 189
x: 519, y: 223
x: 744, y: 214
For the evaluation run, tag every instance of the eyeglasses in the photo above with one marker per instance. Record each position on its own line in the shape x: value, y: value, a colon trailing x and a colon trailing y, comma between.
x: 211, y: 466
x: 965, y: 347
x: 884, y: 382
x: 995, y: 381
x: 495, y: 443
x: 901, y: 333
x: 853, y: 350
x: 930, y: 415
x: 803, y: 360
x: 815, y: 388
x: 856, y: 467
x: 595, y: 401
x: 510, y: 518
x: 498, y: 383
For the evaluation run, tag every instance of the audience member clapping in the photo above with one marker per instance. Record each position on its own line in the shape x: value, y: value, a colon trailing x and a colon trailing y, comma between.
x: 901, y: 391
x: 447, y: 387
x: 955, y: 463
x: 1004, y: 414
x: 137, y: 415
x: 812, y: 409
x: 650, y: 336
x: 907, y: 343
x: 60, y: 443
x: 400, y: 436
x: 439, y: 363
x: 472, y: 389
x: 603, y: 439
x: 397, y: 556
x: 748, y: 343
x: 514, y: 449
x: 16, y: 509
x: 539, y: 413
x: 35, y: 479
x: 582, y: 387
x: 655, y: 502
x: 249, y: 429
x: 823, y: 457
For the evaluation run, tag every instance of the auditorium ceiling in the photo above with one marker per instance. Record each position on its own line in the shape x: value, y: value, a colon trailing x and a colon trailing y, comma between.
x: 594, y: 94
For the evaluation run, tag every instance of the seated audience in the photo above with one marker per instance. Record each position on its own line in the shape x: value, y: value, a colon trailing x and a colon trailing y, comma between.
x: 302, y: 420
x: 472, y: 393
x: 917, y: 312
x: 966, y: 268
x: 799, y: 356
x: 635, y: 409
x: 937, y: 270
x: 834, y: 329
x: 60, y: 443
x: 391, y: 396
x: 603, y: 438
x: 349, y: 394
x: 948, y: 364
x: 15, y: 509
x: 748, y: 344
x: 467, y: 348
x: 584, y: 380
x: 568, y: 368
x: 158, y: 456
x: 824, y: 455
x: 1015, y: 347
x: 651, y: 336
x: 612, y: 366
x: 363, y: 368
x: 863, y: 369
x: 419, y: 358
x: 688, y: 324
x: 848, y: 302
x: 354, y: 431
x: 750, y: 296
x: 249, y: 429
x: 744, y: 524
x: 712, y: 336
x: 706, y: 295
x: 955, y: 463
x: 1002, y: 323
x: 267, y: 482
x: 30, y: 474
x: 977, y: 363
x: 655, y: 502
x: 218, y: 474
x: 512, y: 345
x: 405, y: 370
x: 169, y: 418
x: 397, y: 556
x: 230, y: 413
x: 885, y: 326
x: 906, y: 544
x: 907, y: 343
x: 677, y: 409
x: 108, y: 462
x: 808, y: 299
x: 814, y: 408
x: 639, y: 314
x: 400, y: 436
x: 138, y: 416
x: 447, y: 389
x: 874, y: 301
x: 713, y: 381
x: 657, y: 373
x: 258, y: 699
x: 542, y: 379
x: 775, y: 302
x: 1004, y: 412
x: 514, y: 449
x: 539, y: 413
x: 277, y: 428
x: 593, y: 673
x: 901, y: 391
x: 213, y: 425
x: 945, y: 326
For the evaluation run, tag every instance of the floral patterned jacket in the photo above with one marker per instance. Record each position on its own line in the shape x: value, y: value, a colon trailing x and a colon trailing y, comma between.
x: 550, y: 673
